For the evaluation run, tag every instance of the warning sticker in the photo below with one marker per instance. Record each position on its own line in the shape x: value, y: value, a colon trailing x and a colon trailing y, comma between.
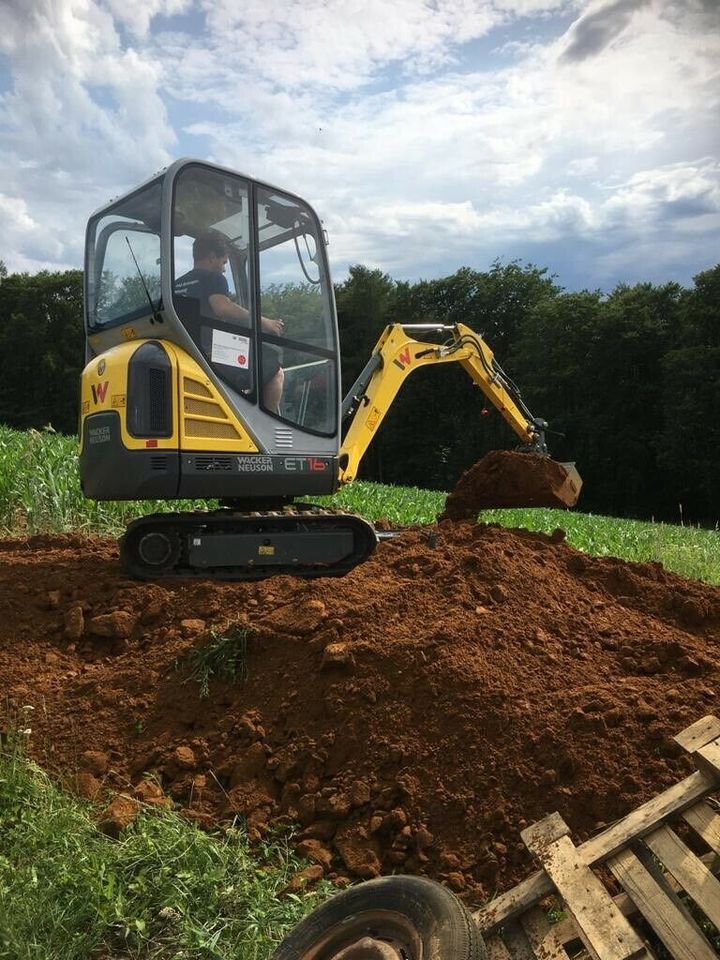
x: 230, y: 349
x: 372, y: 420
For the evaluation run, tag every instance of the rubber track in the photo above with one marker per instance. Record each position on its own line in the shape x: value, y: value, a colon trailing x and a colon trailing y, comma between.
x: 296, y: 517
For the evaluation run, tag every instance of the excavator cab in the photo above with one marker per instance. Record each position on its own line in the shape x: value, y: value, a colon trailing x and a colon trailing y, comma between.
x: 179, y: 391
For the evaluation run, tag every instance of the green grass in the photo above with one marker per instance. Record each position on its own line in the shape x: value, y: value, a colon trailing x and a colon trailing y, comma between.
x: 164, y: 891
x: 40, y: 491
x: 223, y: 657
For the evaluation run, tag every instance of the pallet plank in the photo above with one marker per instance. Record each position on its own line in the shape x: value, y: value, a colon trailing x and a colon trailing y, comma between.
x: 707, y: 759
x: 542, y: 935
x: 705, y: 823
x: 513, y: 902
x: 699, y: 733
x: 607, y: 935
x: 496, y: 949
x: 539, y: 834
x: 689, y: 871
x: 646, y: 818
x: 566, y: 931
x: 517, y: 943
x: 662, y: 911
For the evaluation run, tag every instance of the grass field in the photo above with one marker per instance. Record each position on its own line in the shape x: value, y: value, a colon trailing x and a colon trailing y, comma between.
x: 39, y: 491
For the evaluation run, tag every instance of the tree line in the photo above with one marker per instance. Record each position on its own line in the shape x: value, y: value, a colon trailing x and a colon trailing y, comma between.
x: 629, y: 381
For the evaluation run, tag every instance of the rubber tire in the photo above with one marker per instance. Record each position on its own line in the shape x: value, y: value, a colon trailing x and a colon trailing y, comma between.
x: 442, y: 924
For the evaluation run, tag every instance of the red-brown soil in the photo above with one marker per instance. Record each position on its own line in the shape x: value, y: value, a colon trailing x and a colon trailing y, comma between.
x: 508, y: 478
x: 414, y: 715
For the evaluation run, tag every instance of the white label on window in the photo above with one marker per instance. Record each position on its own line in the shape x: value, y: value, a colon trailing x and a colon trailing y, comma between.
x: 230, y: 349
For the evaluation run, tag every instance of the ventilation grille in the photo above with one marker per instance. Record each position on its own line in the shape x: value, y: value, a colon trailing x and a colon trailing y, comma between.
x: 214, y: 431
x: 219, y: 428
x: 194, y: 386
x: 204, y: 409
x: 159, y: 463
x: 213, y: 464
x: 158, y: 391
x: 283, y: 438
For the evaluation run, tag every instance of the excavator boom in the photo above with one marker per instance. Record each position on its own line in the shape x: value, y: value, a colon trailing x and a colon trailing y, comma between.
x: 502, y: 479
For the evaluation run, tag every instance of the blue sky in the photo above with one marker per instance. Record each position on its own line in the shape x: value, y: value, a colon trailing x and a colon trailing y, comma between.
x: 582, y: 135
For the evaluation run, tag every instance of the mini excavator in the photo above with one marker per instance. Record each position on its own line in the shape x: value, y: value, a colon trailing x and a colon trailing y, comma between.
x: 212, y: 371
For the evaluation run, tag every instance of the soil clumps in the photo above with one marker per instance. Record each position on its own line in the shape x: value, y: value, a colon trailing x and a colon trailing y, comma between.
x: 507, y: 478
x: 412, y: 716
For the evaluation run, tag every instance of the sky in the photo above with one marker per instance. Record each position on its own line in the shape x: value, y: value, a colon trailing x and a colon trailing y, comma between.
x: 578, y: 135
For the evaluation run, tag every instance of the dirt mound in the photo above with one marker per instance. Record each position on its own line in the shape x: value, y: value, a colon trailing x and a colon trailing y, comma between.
x: 414, y: 715
x: 505, y: 478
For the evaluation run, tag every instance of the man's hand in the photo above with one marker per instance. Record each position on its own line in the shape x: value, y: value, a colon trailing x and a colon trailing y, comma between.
x: 227, y: 309
x: 273, y: 326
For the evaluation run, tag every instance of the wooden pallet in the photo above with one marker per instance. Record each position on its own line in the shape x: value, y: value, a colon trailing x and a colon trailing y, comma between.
x: 655, y: 868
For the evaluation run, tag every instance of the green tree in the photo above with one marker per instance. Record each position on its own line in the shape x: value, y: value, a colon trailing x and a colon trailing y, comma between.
x: 592, y: 366
x: 41, y: 349
x: 299, y: 304
x: 494, y: 302
x: 3, y: 271
x: 689, y: 451
x: 365, y: 303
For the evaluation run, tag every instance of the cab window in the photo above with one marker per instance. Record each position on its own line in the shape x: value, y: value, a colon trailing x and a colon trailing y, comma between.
x: 211, y: 229
x: 123, y: 268
x: 294, y: 288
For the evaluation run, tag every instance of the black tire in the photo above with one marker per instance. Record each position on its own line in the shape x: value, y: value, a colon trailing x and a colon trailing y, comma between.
x: 408, y: 917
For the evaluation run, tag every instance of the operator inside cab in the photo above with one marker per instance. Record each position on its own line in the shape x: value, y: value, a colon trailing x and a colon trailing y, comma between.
x: 243, y: 256
x: 206, y: 283
x: 219, y: 258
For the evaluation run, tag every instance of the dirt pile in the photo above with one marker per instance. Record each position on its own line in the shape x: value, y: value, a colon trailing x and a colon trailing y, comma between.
x: 506, y: 478
x: 412, y: 716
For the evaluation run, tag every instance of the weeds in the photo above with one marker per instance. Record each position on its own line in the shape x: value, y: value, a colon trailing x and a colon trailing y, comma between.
x: 164, y: 891
x: 223, y: 657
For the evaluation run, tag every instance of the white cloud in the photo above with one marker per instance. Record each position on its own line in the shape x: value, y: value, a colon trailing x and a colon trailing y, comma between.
x: 84, y: 117
x: 138, y: 14
x: 599, y: 25
x: 426, y: 131
x: 15, y: 218
x: 582, y: 166
x: 677, y: 191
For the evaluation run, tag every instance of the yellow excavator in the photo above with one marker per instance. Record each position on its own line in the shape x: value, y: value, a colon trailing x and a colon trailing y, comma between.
x: 212, y: 371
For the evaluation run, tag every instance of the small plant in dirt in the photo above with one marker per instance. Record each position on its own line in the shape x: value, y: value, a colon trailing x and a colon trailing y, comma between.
x: 223, y: 657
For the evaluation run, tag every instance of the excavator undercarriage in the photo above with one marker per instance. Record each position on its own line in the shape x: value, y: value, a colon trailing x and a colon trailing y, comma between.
x: 225, y: 544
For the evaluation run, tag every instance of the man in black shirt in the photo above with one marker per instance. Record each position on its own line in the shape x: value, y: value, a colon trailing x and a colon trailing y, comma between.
x: 206, y: 283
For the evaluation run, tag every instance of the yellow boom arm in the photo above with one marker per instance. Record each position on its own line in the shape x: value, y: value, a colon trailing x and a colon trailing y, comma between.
x: 396, y: 356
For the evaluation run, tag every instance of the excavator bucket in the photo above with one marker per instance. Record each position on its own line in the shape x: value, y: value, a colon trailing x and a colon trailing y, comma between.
x: 505, y: 478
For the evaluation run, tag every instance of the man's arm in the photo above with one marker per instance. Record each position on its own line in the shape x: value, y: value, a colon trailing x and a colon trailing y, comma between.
x: 227, y: 309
